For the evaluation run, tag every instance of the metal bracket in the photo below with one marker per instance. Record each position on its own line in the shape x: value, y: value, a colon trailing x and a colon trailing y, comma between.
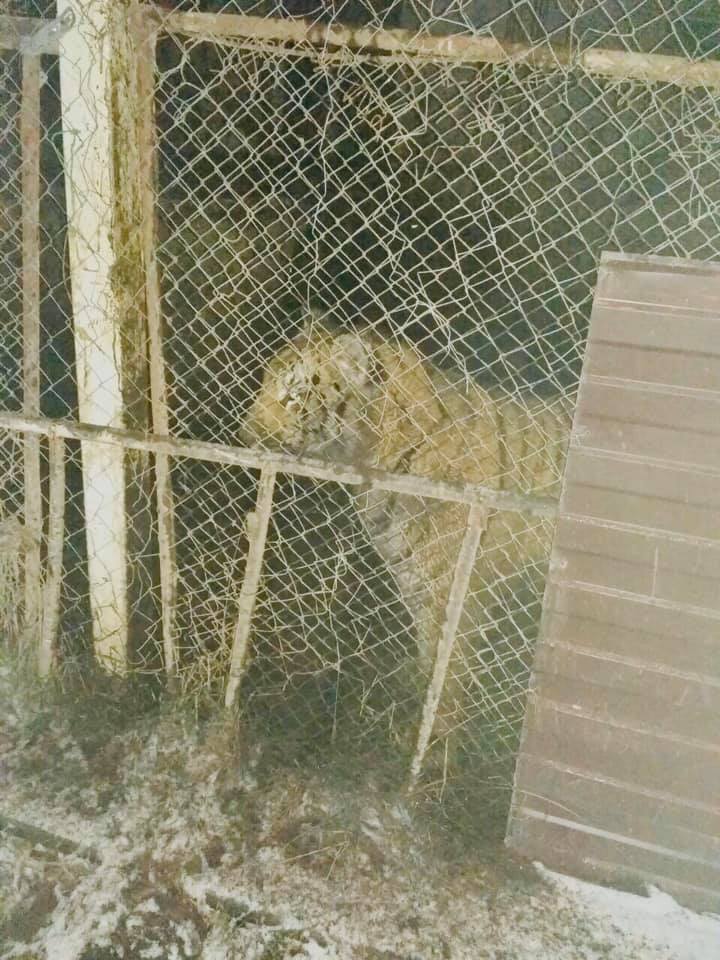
x: 44, y: 37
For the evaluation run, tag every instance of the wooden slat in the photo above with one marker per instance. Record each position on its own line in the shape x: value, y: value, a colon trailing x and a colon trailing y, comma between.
x: 257, y: 528
x: 698, y: 371
x: 665, y: 283
x: 257, y: 458
x: 677, y: 765
x: 652, y: 817
x: 639, y: 696
x: 687, y: 640
x: 642, y: 325
x: 671, y: 500
x: 635, y: 578
x: 669, y: 484
x: 702, y: 898
x: 659, y: 444
x: 615, y: 64
x: 145, y: 45
x: 635, y: 510
x: 477, y: 521
x: 590, y: 856
x: 639, y: 562
x: 653, y: 407
x: 55, y: 541
x: 641, y: 546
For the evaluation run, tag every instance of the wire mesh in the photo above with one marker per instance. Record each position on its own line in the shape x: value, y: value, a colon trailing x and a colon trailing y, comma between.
x: 454, y: 216
x: 10, y: 237
x: 386, y: 261
x: 11, y: 361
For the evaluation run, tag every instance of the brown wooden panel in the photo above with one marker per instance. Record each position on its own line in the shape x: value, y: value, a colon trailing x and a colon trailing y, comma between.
x: 620, y: 808
x: 639, y: 697
x: 651, y: 406
x: 589, y: 857
x: 695, y: 371
x: 692, y: 287
x: 599, y: 634
x: 690, y: 771
x: 645, y: 325
x: 623, y: 725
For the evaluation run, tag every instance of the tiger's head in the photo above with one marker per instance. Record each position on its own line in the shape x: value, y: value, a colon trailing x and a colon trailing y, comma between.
x: 314, y: 394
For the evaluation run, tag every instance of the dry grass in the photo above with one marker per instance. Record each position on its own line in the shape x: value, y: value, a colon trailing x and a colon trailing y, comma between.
x: 12, y: 550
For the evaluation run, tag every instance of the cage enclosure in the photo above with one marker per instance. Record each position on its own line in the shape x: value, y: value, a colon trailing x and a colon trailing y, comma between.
x: 364, y: 242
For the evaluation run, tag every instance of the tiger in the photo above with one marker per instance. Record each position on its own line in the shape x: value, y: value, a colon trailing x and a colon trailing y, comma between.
x: 363, y: 399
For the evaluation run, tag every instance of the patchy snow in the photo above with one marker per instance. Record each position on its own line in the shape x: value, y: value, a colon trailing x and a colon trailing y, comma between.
x: 657, y: 918
x: 194, y: 859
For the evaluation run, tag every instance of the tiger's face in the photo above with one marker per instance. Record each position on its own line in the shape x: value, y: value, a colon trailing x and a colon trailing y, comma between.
x: 313, y: 395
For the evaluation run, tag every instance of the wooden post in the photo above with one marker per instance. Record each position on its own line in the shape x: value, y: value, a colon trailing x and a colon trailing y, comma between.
x: 56, y: 537
x: 257, y: 525
x: 145, y: 43
x: 99, y: 102
x: 30, y: 139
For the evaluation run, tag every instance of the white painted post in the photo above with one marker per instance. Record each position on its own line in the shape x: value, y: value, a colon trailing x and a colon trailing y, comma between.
x: 86, y: 74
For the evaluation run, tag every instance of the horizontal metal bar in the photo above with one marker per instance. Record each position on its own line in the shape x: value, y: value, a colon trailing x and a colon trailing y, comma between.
x: 253, y: 458
x: 464, y: 48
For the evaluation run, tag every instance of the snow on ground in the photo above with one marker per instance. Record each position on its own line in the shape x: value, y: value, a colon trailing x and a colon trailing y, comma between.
x: 187, y: 851
x: 656, y: 918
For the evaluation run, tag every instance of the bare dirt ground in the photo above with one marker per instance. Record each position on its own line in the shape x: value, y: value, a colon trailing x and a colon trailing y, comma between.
x: 167, y: 838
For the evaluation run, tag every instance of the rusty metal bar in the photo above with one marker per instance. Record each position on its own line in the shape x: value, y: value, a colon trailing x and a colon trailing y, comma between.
x: 146, y: 44
x: 255, y: 459
x: 476, y: 524
x: 257, y: 526
x: 461, y: 48
x: 33, y: 514
x: 55, y: 540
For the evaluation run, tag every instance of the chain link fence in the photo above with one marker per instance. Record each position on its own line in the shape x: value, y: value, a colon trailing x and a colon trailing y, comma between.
x: 376, y: 243
x: 11, y: 498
